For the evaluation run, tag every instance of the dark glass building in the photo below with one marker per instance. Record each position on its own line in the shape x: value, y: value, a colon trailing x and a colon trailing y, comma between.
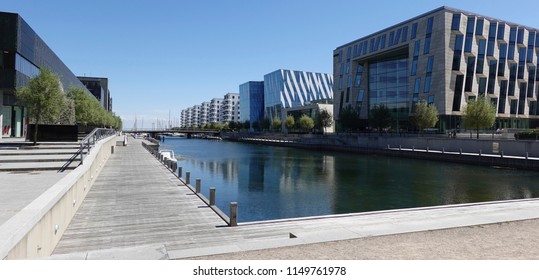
x: 99, y: 87
x: 23, y: 53
x: 252, y: 102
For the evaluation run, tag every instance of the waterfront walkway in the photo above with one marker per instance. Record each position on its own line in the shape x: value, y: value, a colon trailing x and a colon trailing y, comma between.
x: 138, y: 209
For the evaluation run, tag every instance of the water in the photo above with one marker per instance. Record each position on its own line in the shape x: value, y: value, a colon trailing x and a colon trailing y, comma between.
x: 275, y: 182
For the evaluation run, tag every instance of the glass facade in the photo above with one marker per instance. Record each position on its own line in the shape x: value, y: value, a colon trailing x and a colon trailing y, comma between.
x: 290, y: 89
x: 252, y: 102
x: 388, y: 85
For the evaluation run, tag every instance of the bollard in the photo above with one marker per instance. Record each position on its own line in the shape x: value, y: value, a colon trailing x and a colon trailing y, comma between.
x: 197, y: 185
x: 480, y: 152
x: 427, y: 149
x: 460, y: 151
x: 443, y: 150
x: 501, y: 155
x: 187, y: 178
x: 413, y: 149
x: 388, y: 146
x: 179, y: 172
x: 400, y: 147
x: 212, y: 196
x: 233, y: 214
x: 111, y: 150
x: 526, y: 155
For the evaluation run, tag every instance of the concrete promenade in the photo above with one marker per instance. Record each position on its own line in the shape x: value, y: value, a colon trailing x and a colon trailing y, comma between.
x: 138, y: 209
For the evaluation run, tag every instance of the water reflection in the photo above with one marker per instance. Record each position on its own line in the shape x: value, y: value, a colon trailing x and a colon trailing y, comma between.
x: 274, y: 182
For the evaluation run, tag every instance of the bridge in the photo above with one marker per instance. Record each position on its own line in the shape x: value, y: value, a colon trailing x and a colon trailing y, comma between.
x: 187, y: 131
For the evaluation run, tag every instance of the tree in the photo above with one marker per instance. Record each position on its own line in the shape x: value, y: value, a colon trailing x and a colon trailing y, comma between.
x: 289, y: 122
x: 266, y: 123
x: 246, y: 125
x: 88, y: 110
x: 325, y: 119
x: 44, y: 98
x: 276, y: 123
x: 305, y: 122
x: 349, y: 118
x: 256, y: 125
x: 380, y: 117
x: 478, y: 114
x: 425, y: 116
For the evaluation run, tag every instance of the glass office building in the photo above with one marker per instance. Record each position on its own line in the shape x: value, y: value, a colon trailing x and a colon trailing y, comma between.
x: 23, y: 53
x: 445, y: 57
x: 252, y: 102
x: 290, y: 88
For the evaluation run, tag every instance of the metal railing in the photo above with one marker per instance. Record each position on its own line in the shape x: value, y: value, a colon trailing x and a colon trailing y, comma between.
x: 90, y: 140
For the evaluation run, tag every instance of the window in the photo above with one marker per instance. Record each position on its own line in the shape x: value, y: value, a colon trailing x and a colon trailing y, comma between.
x: 383, y: 42
x: 429, y: 25
x: 455, y: 23
x: 426, y: 88
x: 470, y: 67
x: 501, y: 31
x: 340, y: 82
x: 347, y: 67
x: 430, y: 99
x: 482, y: 86
x: 404, y: 34
x: 430, y: 62
x: 457, y: 53
x: 391, y: 36
x: 414, y: 66
x: 348, y: 52
x: 479, y: 27
x: 349, y: 83
x: 416, y: 47
x: 417, y: 85
x: 397, y: 36
x: 414, y: 31
x: 359, y: 75
x: 342, y: 69
x: 426, y: 48
x: 340, y: 56
x: 481, y: 56
x: 503, y: 96
x: 458, y: 93
x: 491, y: 39
x: 469, y: 35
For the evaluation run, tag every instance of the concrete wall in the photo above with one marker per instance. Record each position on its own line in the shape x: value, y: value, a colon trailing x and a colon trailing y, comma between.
x: 35, y: 230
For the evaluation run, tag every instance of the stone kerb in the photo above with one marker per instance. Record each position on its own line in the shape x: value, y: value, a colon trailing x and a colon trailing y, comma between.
x: 36, y: 229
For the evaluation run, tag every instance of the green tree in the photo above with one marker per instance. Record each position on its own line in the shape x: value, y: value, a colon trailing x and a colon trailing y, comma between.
x: 246, y: 125
x: 425, y: 116
x: 380, y: 117
x: 478, y: 114
x: 44, y: 98
x: 325, y: 119
x: 349, y: 118
x: 289, y: 122
x: 256, y: 125
x: 266, y: 124
x: 306, y: 123
x: 276, y: 123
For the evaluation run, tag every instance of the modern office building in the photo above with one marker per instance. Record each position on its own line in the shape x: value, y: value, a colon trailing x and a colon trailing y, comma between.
x: 445, y: 57
x: 252, y: 102
x: 290, y: 88
x: 99, y: 87
x: 312, y: 110
x: 23, y: 53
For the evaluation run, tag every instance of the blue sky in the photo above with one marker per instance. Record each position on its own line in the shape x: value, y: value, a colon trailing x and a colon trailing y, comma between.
x: 163, y: 56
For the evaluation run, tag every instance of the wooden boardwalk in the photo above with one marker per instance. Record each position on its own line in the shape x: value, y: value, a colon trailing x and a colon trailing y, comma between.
x: 137, y: 209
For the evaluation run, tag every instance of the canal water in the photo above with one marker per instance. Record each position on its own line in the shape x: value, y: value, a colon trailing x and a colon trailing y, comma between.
x: 276, y: 182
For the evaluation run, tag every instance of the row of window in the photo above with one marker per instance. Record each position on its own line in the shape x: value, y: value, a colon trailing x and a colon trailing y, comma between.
x: 395, y: 37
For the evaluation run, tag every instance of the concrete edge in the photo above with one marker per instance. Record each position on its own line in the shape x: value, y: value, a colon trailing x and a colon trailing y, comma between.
x: 16, y: 228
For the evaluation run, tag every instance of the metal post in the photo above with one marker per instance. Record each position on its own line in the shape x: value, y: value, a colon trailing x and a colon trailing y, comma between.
x: 480, y: 152
x: 413, y: 149
x: 111, y: 149
x: 427, y: 149
x: 212, y: 196
x: 233, y: 214
x: 188, y: 178
x: 501, y: 155
x: 81, y: 153
x: 460, y: 151
x: 526, y: 155
x: 400, y: 147
x: 443, y: 150
x: 197, y: 185
x: 179, y: 172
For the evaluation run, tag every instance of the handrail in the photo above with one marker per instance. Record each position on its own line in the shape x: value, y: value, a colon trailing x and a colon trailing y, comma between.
x: 90, y: 140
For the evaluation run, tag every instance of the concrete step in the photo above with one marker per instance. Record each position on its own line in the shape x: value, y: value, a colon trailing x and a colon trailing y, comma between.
x: 51, y: 147
x: 38, y: 158
x: 37, y: 152
x: 36, y: 166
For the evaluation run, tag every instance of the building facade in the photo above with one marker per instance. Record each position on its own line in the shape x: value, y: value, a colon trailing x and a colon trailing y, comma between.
x: 230, y: 108
x: 99, y: 87
x: 204, y: 112
x: 215, y: 110
x: 23, y: 53
x: 252, y: 102
x: 290, y: 88
x: 445, y: 57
